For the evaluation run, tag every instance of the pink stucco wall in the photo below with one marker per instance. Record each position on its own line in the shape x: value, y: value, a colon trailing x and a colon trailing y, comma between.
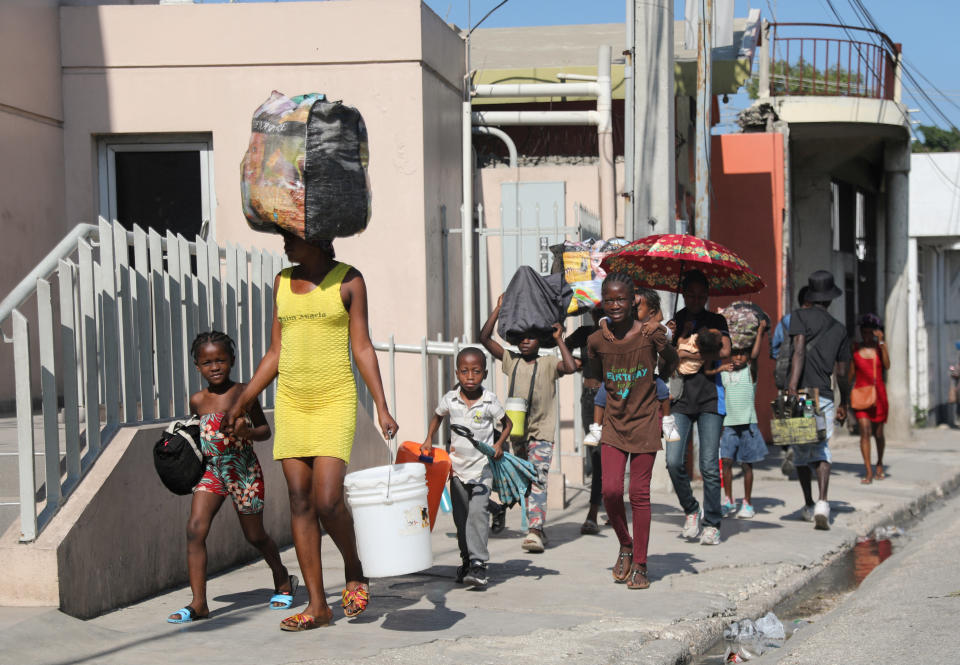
x: 397, y: 62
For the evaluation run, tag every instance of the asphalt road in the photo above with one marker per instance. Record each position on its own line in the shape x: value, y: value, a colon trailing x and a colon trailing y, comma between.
x: 905, y: 611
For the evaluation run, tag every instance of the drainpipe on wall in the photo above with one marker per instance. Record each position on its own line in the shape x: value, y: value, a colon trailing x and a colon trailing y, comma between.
x: 466, y: 221
x: 608, y: 179
x: 503, y: 136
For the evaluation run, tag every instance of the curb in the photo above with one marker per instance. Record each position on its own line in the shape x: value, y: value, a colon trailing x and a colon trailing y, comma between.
x: 700, y: 635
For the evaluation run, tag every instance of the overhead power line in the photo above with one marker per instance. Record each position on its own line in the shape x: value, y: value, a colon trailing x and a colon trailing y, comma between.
x: 906, y: 67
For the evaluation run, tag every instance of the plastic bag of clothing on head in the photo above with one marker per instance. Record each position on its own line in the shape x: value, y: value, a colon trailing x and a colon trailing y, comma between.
x: 532, y: 304
x: 743, y: 320
x: 305, y: 169
x: 579, y: 262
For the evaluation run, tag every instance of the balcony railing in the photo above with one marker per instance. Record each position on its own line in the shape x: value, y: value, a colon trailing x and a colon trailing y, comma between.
x: 828, y: 60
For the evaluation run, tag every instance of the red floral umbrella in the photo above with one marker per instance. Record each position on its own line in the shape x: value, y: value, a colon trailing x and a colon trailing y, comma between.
x: 658, y: 261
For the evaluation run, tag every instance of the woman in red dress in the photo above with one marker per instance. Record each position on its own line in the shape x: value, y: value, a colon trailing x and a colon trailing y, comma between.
x: 870, y: 359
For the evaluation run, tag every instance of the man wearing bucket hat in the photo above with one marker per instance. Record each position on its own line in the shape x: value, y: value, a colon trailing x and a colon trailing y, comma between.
x: 820, y: 348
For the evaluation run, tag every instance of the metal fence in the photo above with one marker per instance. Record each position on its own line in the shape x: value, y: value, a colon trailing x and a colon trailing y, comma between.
x: 445, y: 352
x: 832, y: 63
x: 116, y: 312
x: 113, y: 313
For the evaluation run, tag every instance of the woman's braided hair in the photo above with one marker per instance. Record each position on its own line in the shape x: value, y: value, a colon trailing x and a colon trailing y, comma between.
x: 619, y: 278
x: 213, y: 337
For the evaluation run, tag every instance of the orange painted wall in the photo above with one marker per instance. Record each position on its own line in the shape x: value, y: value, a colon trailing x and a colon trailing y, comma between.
x: 747, y: 216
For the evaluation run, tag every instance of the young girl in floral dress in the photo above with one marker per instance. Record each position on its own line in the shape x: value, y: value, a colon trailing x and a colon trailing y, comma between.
x: 232, y: 469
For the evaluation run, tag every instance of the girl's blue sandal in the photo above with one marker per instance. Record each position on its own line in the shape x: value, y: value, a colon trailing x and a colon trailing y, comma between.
x: 284, y: 601
x: 187, y: 614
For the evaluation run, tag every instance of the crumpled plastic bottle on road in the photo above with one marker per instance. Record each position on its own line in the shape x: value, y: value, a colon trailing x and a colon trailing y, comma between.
x: 771, y: 628
x: 746, y: 640
x: 743, y: 641
x: 887, y: 532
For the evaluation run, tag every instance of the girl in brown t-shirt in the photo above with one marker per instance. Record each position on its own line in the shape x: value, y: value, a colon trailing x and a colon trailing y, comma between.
x: 631, y: 428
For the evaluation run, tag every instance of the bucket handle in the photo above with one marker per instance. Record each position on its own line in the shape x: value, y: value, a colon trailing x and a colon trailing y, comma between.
x: 387, y: 501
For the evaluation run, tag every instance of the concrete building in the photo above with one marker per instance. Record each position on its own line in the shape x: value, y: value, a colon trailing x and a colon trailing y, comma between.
x: 934, y: 281
x: 846, y: 160
x: 100, y: 111
x: 131, y: 111
x: 555, y: 190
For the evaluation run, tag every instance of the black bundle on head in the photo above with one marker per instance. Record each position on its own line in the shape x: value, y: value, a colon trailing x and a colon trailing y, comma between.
x: 213, y: 337
x: 651, y: 297
x: 619, y: 278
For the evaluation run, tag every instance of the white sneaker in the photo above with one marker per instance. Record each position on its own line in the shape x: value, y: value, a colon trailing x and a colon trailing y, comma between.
x: 593, y: 436
x: 670, y: 431
x: 691, y: 525
x: 806, y: 513
x: 746, y: 511
x: 821, y: 516
x: 711, y: 536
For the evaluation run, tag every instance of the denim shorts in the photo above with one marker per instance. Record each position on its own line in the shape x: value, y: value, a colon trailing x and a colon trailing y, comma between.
x: 742, y: 443
x: 662, y: 391
x: 811, y: 453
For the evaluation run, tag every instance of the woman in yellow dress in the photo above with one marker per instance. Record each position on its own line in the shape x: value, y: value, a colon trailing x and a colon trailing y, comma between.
x: 320, y: 315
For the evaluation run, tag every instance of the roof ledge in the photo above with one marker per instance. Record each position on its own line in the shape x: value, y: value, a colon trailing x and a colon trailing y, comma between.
x: 814, y: 109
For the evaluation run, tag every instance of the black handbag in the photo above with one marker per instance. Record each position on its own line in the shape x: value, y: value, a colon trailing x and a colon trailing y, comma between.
x: 178, y: 458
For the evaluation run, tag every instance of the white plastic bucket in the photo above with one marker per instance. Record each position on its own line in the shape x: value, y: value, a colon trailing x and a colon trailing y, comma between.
x: 516, y: 408
x: 391, y: 519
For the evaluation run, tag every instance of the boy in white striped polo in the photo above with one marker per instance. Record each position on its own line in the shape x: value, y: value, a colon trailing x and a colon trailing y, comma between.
x: 741, y: 440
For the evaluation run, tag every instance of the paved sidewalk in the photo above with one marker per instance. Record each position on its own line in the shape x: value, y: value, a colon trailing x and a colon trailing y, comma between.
x: 560, y: 606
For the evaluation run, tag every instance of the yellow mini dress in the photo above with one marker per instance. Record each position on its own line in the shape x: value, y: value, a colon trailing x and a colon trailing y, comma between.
x: 316, y: 409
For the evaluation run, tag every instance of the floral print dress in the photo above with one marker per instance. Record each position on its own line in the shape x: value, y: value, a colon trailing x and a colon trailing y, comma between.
x: 232, y: 467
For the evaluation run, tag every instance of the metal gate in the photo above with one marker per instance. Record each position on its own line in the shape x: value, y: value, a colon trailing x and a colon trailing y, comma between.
x: 532, y: 219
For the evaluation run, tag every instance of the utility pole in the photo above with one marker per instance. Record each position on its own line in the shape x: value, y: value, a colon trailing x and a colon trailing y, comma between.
x: 704, y: 119
x: 629, y: 231
x: 654, y: 168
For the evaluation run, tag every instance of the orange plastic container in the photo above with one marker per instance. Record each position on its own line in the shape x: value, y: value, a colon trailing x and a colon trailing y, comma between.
x: 438, y: 470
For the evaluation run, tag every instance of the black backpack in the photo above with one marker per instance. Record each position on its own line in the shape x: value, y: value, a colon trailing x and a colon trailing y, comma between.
x: 781, y: 370
x: 178, y: 458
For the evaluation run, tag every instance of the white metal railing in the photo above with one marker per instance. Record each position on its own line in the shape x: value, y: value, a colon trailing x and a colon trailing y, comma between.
x: 444, y: 352
x: 114, y: 343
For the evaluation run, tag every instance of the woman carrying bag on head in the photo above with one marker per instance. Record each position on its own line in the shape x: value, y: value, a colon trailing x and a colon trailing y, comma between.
x: 868, y: 398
